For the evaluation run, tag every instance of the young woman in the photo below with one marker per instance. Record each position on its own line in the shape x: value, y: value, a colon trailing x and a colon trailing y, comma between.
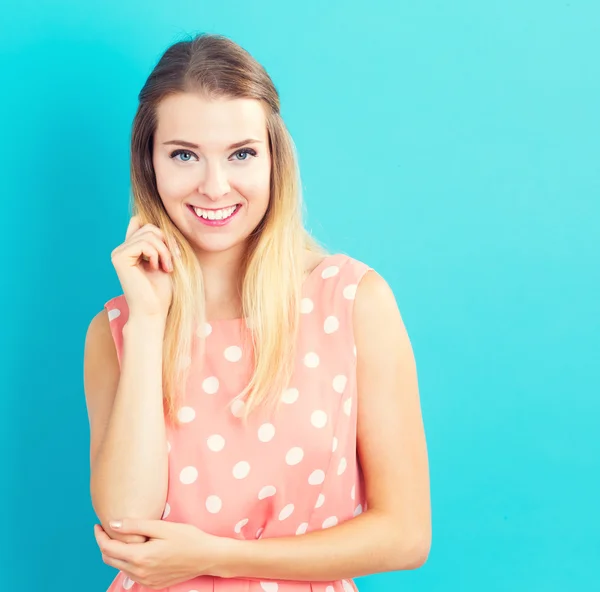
x: 253, y: 402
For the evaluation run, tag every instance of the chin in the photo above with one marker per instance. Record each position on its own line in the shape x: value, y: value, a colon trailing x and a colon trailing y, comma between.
x: 218, y: 246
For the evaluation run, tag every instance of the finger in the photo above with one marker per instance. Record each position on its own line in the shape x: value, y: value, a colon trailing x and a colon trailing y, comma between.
x: 133, y: 226
x: 100, y: 535
x: 121, y: 565
x: 147, y: 251
x: 154, y: 252
x: 162, y: 254
x: 155, y: 529
x: 115, y: 549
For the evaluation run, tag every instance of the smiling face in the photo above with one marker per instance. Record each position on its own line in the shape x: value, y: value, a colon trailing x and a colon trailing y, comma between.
x: 213, y: 167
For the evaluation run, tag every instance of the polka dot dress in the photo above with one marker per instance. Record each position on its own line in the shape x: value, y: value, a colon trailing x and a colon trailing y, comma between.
x: 282, y: 475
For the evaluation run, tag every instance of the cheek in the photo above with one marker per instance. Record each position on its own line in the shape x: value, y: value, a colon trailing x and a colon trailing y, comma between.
x: 172, y: 186
x: 255, y: 186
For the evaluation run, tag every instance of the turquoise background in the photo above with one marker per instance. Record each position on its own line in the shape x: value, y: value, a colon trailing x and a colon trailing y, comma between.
x: 453, y: 146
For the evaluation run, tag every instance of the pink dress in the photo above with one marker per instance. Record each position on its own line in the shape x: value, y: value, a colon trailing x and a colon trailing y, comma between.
x: 286, y: 475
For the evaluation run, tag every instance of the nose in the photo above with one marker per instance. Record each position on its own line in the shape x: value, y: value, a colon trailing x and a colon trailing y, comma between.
x: 214, y: 184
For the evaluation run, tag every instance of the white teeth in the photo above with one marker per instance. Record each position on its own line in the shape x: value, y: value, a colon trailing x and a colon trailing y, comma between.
x: 215, y: 214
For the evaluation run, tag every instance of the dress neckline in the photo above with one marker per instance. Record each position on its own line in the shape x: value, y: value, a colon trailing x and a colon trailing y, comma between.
x: 308, y: 278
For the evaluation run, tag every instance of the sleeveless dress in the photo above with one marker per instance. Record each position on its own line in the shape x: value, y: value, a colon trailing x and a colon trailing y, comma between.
x: 281, y: 475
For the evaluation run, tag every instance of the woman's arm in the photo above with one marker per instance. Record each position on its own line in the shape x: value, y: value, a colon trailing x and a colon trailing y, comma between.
x: 394, y: 533
x: 128, y: 452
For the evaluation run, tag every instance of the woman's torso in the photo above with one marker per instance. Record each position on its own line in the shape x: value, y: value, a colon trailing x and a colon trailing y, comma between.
x: 276, y: 476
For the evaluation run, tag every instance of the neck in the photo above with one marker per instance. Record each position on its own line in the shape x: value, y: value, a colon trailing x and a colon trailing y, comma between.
x: 222, y: 273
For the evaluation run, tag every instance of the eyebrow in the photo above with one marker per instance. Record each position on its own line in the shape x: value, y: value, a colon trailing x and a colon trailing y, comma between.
x: 191, y: 145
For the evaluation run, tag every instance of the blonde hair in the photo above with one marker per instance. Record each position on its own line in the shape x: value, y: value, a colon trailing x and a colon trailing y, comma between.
x: 216, y: 67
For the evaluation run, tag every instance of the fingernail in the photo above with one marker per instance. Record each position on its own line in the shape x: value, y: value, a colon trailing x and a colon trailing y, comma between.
x: 115, y: 524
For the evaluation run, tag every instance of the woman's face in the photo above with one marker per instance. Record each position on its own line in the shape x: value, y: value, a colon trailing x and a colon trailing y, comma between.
x: 213, y: 168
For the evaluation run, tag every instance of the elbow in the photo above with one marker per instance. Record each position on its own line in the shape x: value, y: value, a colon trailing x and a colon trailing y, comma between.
x: 106, y: 510
x: 419, y: 556
x: 408, y: 551
x: 414, y: 553
x: 105, y: 519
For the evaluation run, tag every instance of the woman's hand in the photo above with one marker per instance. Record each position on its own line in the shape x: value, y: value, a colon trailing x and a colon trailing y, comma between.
x: 173, y: 553
x: 144, y: 263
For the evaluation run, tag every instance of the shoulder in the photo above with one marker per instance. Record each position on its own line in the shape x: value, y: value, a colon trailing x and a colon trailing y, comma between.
x: 99, y: 326
x: 99, y: 338
x: 103, y: 333
x: 373, y: 291
x: 344, y: 267
x: 376, y: 317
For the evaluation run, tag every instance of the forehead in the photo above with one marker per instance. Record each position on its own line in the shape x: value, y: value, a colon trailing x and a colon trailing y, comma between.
x: 209, y: 122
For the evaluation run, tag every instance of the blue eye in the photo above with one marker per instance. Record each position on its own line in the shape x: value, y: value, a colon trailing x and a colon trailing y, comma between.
x: 179, y: 151
x: 246, y: 151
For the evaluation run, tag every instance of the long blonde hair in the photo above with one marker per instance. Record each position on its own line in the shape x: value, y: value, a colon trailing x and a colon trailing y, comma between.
x: 273, y: 267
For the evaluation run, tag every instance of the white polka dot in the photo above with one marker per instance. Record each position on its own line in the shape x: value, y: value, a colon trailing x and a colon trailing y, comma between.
x: 113, y: 314
x: 302, y: 528
x: 320, y: 501
x: 311, y: 360
x: 167, y: 510
x: 350, y: 291
x: 186, y: 414
x: 353, y: 492
x: 269, y: 586
x: 347, y: 587
x: 317, y: 477
x: 331, y: 325
x: 342, y: 466
x: 213, y: 504
x: 266, y: 432
x: 330, y: 271
x: 266, y: 491
x: 329, y: 522
x: 233, y: 353
x: 319, y: 419
x: 294, y: 456
x: 339, y: 383
x: 306, y: 305
x: 358, y: 510
x: 290, y: 396
x: 335, y: 444
x: 241, y: 470
x: 237, y: 408
x: 216, y: 442
x: 348, y: 406
x: 329, y: 589
x: 188, y: 475
x: 238, y: 527
x: 205, y: 330
x: 210, y: 385
x: 128, y: 583
x: 286, y: 512
x: 259, y: 532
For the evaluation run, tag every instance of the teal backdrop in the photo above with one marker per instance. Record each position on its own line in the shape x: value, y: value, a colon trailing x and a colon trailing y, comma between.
x: 453, y: 146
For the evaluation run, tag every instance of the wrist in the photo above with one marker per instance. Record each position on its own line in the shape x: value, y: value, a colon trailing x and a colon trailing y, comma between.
x: 144, y: 325
x: 226, y: 552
